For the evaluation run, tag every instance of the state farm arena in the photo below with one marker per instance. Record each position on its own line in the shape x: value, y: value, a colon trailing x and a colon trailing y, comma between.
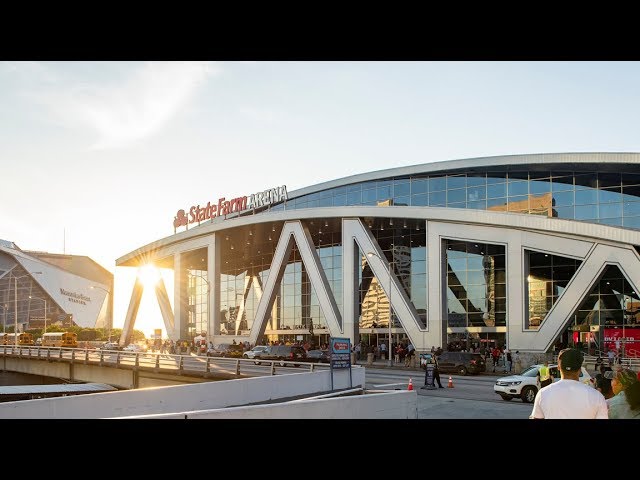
x: 529, y: 251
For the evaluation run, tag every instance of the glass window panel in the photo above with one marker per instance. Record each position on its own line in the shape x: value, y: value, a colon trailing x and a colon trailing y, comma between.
x: 632, y: 190
x: 340, y: 200
x: 518, y: 204
x: 518, y: 188
x: 539, y: 175
x: 631, y: 209
x: 539, y: 187
x: 473, y: 180
x: 519, y: 175
x: 476, y: 193
x: 630, y: 178
x: 476, y: 277
x: 496, y: 177
x: 540, y: 273
x: 419, y: 185
x: 325, y: 202
x: 496, y: 202
x: 586, y: 212
x: 456, y: 196
x: 421, y: 200
x: 609, y: 195
x: 437, y: 184
x: 538, y: 259
x: 369, y: 196
x: 614, y: 222
x: 354, y: 188
x: 354, y: 198
x: 456, y: 264
x: 497, y: 190
x: 584, y: 181
x: 609, y: 179
x: 564, y: 212
x: 456, y: 181
x: 586, y: 197
x: 610, y: 210
x: 481, y: 205
x: 404, y: 200
x: 562, y: 184
x: 383, y: 193
x: 401, y: 187
x: 438, y: 198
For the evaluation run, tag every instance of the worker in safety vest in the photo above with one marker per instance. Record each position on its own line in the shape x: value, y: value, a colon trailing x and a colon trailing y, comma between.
x: 545, y: 375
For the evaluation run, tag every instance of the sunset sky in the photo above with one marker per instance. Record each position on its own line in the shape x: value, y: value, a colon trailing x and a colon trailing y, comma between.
x: 99, y: 156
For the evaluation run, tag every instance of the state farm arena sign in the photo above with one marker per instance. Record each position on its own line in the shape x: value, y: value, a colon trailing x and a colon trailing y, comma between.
x: 224, y: 207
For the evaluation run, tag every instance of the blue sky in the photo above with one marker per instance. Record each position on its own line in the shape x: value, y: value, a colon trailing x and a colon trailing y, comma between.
x: 98, y: 156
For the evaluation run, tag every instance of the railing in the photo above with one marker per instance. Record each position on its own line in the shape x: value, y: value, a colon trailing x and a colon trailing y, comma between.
x: 195, y: 365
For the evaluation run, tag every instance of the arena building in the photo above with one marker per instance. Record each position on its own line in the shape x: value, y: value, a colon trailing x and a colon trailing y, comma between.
x: 528, y: 251
x: 40, y: 288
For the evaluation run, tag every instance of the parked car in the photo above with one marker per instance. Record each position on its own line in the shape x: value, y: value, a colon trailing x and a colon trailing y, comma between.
x: 284, y: 354
x: 134, y: 348
x: 526, y: 385
x: 461, y: 363
x: 255, y: 352
x: 318, y: 356
x: 110, y: 346
x: 226, y: 350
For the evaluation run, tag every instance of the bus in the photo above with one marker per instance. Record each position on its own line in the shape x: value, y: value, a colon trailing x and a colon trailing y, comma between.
x: 24, y: 339
x: 60, y: 339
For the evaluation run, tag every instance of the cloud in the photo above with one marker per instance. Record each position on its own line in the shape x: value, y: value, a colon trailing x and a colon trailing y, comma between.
x: 127, y: 111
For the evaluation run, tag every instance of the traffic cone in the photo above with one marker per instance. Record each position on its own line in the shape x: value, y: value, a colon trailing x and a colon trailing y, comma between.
x: 450, y: 385
x: 410, y: 387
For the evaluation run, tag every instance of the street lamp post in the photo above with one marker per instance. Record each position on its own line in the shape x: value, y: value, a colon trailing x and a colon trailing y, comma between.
x: 109, y: 293
x: 45, y: 311
x: 15, y: 305
x: 389, y: 352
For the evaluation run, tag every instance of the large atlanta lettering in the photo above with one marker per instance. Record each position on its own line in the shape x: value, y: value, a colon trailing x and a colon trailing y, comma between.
x: 225, y: 207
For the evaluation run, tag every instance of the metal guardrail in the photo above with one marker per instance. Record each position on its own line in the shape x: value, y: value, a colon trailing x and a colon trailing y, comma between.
x: 196, y: 365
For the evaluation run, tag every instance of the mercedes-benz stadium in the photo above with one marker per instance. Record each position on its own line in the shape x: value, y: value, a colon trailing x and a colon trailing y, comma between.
x: 526, y: 251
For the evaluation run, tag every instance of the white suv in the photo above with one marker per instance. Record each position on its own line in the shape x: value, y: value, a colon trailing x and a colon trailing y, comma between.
x: 527, y: 384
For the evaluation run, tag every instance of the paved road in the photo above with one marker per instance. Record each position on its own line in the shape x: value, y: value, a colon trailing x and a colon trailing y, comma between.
x: 471, y: 397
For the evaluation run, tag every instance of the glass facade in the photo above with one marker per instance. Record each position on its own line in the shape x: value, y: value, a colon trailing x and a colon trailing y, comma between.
x: 476, y: 284
x: 610, y: 312
x: 589, y: 195
x: 547, y: 278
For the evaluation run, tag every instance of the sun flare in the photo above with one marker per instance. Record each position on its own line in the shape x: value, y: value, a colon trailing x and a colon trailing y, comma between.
x: 148, y: 275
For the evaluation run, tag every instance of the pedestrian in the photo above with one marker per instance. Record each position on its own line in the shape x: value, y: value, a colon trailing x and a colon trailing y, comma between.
x: 495, y: 354
x: 602, y: 383
x: 569, y: 398
x: 611, y: 355
x: 545, y: 375
x: 625, y: 403
x: 517, y: 362
x: 436, y: 372
x: 509, y: 360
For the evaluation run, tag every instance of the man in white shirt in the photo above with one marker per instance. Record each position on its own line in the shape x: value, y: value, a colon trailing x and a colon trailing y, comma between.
x: 569, y: 397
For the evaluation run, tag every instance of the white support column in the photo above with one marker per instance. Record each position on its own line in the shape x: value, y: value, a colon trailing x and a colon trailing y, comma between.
x: 165, y: 305
x: 132, y: 312
x: 213, y: 275
x: 178, y: 295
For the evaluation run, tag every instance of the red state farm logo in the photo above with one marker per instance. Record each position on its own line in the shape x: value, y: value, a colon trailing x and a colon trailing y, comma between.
x: 180, y: 220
